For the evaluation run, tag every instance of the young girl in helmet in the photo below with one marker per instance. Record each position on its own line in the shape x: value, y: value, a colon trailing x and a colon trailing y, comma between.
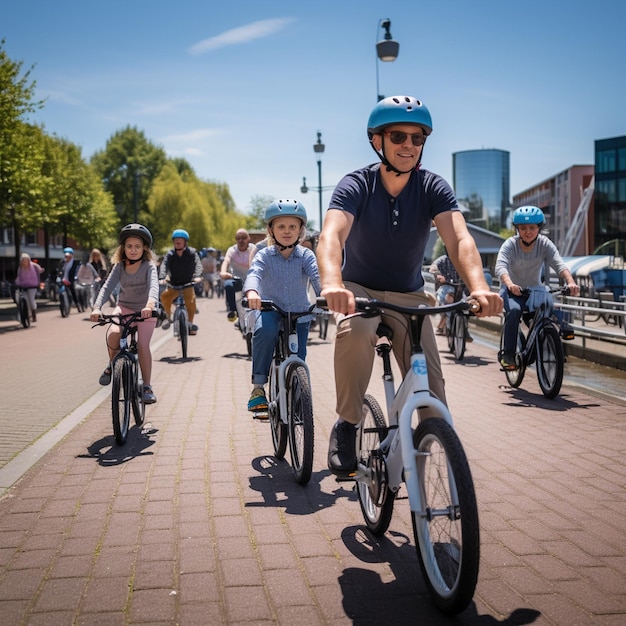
x: 519, y: 265
x: 280, y: 272
x: 134, y: 270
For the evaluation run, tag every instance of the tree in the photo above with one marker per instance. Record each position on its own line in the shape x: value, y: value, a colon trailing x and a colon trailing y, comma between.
x: 128, y: 166
x: 20, y: 153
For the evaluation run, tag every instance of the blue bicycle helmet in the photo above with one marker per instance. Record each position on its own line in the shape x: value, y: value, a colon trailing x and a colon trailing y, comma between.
x: 136, y: 230
x: 399, y: 110
x: 528, y: 215
x: 179, y: 232
x: 280, y: 208
x: 68, y: 250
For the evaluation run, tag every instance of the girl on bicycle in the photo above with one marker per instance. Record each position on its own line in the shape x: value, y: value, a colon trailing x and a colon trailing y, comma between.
x: 279, y: 272
x: 28, y: 277
x: 519, y: 265
x: 134, y: 270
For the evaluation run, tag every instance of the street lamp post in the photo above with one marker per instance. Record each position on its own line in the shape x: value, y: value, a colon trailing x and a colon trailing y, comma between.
x: 386, y: 50
x: 318, y: 148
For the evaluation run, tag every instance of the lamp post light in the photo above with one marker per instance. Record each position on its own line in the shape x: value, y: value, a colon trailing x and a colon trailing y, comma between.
x: 318, y: 148
x: 386, y: 50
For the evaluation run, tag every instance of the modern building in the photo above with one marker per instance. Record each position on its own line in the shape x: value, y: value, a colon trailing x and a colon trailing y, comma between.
x: 481, y: 181
x: 609, y: 220
x: 559, y: 198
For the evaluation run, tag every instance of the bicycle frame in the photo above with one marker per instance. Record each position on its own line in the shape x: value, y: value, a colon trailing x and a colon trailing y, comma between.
x: 413, y: 395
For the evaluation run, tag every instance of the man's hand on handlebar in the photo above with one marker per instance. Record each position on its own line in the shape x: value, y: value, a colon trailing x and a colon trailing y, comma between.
x: 490, y: 303
x: 339, y: 299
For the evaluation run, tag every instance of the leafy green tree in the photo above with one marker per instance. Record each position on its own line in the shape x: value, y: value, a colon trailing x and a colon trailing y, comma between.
x: 20, y: 153
x: 128, y: 166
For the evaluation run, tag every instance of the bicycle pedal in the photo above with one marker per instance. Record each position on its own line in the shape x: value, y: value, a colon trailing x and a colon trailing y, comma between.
x: 261, y: 415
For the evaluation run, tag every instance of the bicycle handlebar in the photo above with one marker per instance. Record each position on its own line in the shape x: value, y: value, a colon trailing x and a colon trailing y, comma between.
x: 564, y: 291
x: 270, y: 305
x: 122, y: 319
x: 181, y: 287
x: 372, y: 307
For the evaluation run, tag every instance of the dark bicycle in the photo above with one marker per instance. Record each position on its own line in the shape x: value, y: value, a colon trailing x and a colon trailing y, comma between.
x: 126, y: 380
x: 65, y: 302
x: 290, y: 400
x: 180, y: 323
x: 541, y: 344
x: 457, y: 324
x: 23, y: 306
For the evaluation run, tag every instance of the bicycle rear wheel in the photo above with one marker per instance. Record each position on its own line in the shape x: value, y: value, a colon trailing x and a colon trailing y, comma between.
x: 24, y: 312
x: 121, y: 394
x: 183, y: 330
x: 300, y: 423
x: 375, y: 498
x: 549, y: 361
x: 459, y: 331
x: 446, y: 531
x: 279, y: 428
x: 139, y: 406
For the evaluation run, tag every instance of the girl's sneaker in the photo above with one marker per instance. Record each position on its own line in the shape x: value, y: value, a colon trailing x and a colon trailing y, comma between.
x: 257, y: 401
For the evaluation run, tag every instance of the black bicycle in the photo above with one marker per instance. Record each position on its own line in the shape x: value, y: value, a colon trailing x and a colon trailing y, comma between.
x: 65, y: 303
x: 180, y: 324
x: 126, y: 380
x: 290, y: 401
x: 541, y: 345
x: 457, y: 324
x: 23, y: 306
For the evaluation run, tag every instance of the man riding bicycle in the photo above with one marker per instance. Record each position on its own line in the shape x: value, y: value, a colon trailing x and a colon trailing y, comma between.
x: 388, y: 207
x: 235, y: 268
x: 182, y: 264
x: 521, y: 261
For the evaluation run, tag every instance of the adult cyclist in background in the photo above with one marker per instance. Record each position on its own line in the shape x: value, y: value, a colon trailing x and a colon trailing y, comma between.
x: 182, y: 265
x: 235, y: 268
x: 446, y: 280
x: 521, y: 262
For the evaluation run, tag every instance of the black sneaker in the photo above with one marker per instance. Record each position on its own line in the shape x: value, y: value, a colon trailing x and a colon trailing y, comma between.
x: 342, y: 450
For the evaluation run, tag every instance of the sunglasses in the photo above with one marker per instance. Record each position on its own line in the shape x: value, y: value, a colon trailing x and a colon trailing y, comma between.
x: 398, y: 137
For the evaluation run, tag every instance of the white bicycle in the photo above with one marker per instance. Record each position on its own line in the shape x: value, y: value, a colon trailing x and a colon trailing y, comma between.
x: 418, y: 445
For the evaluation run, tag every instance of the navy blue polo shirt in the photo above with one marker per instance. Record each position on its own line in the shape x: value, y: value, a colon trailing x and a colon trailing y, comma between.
x: 385, y: 248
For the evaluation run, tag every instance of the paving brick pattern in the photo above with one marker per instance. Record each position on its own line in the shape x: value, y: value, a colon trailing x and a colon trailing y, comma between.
x: 194, y: 522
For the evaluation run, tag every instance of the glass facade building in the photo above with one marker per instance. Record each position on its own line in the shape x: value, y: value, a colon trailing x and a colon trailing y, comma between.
x: 610, y: 196
x: 481, y: 181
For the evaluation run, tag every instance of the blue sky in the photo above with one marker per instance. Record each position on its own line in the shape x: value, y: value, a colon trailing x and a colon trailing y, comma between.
x: 241, y: 88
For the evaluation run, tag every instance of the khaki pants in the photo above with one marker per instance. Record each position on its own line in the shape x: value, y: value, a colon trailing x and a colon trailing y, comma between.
x: 189, y: 296
x: 355, y: 345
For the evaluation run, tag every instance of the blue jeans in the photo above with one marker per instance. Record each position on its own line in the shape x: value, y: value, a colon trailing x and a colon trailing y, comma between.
x: 264, y: 340
x: 513, y: 308
x: 232, y: 286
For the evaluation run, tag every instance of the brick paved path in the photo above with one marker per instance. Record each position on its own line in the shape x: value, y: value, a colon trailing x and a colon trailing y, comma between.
x: 194, y: 522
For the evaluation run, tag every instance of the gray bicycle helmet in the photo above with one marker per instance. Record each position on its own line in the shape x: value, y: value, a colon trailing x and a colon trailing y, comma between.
x: 136, y: 230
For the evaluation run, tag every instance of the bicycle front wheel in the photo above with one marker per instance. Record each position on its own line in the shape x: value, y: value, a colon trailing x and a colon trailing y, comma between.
x: 183, y: 330
x: 278, y: 427
x: 64, y: 303
x: 121, y: 394
x: 300, y: 423
x: 459, y: 331
x: 24, y: 313
x: 549, y: 361
x: 375, y: 497
x: 446, y: 531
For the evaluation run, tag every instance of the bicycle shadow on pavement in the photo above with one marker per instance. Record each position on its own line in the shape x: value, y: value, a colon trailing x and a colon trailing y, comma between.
x: 109, y: 454
x: 467, y: 360
x: 177, y: 360
x: 528, y: 399
x: 368, y: 599
x: 275, y: 477
x: 237, y: 355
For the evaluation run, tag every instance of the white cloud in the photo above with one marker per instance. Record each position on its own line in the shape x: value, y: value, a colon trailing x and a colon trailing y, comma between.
x: 242, y: 34
x: 195, y: 135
